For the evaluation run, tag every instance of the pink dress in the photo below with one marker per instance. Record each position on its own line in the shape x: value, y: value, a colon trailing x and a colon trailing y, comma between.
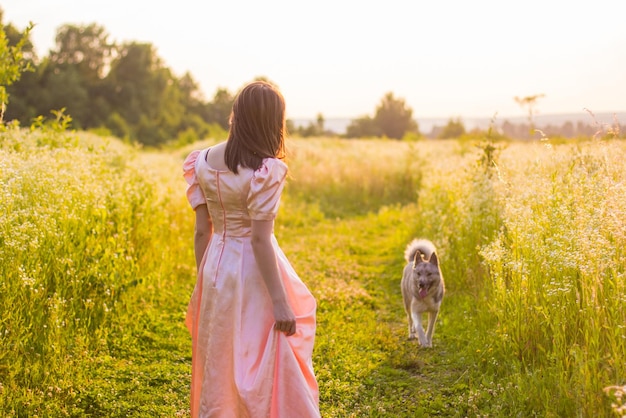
x: 241, y: 366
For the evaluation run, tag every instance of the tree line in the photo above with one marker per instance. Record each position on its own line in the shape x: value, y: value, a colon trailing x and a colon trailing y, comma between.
x: 123, y: 89
x: 392, y: 119
x: 126, y: 90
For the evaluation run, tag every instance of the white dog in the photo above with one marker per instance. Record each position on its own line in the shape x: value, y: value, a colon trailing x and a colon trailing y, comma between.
x: 422, y: 289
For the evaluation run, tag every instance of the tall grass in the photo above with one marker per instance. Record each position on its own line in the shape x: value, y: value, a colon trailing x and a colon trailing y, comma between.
x: 79, y: 221
x: 347, y: 178
x: 97, y: 266
x: 557, y: 286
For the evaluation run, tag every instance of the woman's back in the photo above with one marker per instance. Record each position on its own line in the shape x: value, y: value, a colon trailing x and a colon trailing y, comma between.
x: 233, y: 199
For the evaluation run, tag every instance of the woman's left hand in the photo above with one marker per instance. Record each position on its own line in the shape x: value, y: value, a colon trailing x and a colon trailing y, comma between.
x: 285, y: 319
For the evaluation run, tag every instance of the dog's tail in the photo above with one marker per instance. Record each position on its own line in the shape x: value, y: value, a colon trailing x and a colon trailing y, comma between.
x: 424, y: 246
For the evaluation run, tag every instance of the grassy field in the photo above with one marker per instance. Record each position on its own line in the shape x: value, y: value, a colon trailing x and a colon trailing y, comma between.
x: 97, y: 268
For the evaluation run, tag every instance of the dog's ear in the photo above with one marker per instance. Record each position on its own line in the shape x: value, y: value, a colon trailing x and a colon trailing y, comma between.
x: 418, y: 258
x: 433, y: 259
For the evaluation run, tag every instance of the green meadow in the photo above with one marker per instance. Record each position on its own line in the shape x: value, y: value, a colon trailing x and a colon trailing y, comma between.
x: 97, y: 267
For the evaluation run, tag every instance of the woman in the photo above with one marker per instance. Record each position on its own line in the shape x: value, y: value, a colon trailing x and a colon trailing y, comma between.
x: 251, y: 318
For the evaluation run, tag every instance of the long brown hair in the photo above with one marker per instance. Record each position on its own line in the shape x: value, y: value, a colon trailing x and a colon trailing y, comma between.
x: 257, y: 127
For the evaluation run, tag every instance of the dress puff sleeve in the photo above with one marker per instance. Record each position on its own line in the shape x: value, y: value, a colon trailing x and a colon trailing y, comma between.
x: 266, y: 187
x: 195, y: 195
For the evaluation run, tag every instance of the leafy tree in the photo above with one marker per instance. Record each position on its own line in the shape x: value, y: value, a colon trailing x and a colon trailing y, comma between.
x: 144, y: 92
x: 363, y: 127
x: 394, y: 118
x: 192, y: 98
x: 130, y: 81
x: 87, y: 48
x: 82, y: 56
x: 26, y: 86
x: 63, y: 89
x: 195, y: 120
x: 220, y: 108
x: 454, y: 129
x: 13, y: 59
x: 14, y: 37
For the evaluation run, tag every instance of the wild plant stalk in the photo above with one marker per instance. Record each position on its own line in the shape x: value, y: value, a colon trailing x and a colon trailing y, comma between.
x: 557, y: 270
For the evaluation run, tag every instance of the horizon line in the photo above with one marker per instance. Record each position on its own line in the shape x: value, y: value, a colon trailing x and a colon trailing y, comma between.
x: 583, y: 112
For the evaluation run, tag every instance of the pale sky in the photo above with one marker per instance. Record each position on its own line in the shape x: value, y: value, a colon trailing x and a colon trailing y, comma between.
x: 445, y: 58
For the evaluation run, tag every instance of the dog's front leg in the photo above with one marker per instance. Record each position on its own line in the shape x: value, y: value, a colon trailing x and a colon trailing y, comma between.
x: 417, y: 326
x: 417, y: 321
x: 412, y: 335
x: 432, y: 318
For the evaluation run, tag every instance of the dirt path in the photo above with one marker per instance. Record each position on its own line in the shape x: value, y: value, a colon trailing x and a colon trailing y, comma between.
x: 365, y: 364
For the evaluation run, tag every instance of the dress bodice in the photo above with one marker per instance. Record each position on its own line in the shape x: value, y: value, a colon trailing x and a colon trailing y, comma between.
x: 234, y: 200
